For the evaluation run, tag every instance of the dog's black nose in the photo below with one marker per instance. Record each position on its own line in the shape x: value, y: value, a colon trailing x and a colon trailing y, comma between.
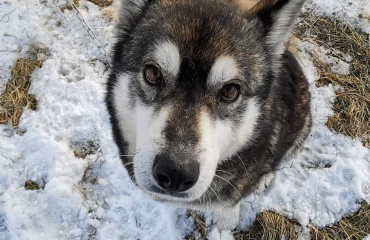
x: 175, y: 175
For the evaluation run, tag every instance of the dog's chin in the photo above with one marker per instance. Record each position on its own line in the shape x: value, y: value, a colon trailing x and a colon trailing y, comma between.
x: 161, y: 195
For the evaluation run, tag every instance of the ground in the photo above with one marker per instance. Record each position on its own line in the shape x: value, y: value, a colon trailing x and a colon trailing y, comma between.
x: 60, y: 172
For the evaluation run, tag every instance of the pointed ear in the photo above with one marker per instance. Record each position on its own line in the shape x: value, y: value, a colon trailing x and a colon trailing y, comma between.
x: 130, y: 13
x: 278, y: 18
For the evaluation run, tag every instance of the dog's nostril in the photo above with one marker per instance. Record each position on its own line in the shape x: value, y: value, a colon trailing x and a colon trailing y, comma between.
x: 163, y: 180
x: 186, y: 185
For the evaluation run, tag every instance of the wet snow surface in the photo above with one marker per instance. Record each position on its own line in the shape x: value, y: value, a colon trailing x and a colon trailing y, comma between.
x: 92, y: 197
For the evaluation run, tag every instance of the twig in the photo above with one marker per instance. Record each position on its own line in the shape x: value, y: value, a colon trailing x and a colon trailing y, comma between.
x: 90, y: 31
x: 6, y: 15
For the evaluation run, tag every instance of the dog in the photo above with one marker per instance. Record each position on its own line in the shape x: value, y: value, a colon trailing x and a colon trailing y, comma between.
x: 205, y: 99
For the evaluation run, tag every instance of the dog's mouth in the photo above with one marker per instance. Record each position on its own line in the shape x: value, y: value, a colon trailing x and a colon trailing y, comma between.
x: 164, y: 195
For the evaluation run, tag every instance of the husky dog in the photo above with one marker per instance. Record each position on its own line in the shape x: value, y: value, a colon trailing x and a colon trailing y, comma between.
x: 205, y: 99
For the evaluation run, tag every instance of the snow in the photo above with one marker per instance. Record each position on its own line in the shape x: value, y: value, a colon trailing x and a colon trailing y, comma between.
x: 356, y: 13
x: 93, y: 196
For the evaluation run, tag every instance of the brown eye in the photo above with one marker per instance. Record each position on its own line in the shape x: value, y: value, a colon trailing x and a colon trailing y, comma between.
x: 152, y: 74
x: 230, y: 93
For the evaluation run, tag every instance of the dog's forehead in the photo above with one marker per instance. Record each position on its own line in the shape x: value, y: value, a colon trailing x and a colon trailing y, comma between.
x: 204, y: 30
x: 211, y: 36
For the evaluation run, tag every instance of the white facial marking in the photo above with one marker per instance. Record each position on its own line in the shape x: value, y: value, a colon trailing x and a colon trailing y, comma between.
x: 122, y: 106
x: 167, y: 55
x: 141, y: 127
x: 222, y: 135
x: 224, y: 69
x: 220, y: 140
x: 149, y: 139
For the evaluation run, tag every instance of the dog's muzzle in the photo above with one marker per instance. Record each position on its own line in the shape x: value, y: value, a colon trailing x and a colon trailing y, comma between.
x: 175, y: 175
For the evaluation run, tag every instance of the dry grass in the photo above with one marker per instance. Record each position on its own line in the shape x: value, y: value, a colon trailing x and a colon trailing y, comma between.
x: 31, y: 186
x: 69, y: 5
x: 352, y: 105
x: 100, y: 3
x: 16, y: 97
x: 269, y: 225
x: 355, y: 227
x: 200, y: 226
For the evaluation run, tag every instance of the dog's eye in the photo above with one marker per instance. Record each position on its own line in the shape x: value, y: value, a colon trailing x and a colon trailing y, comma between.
x: 152, y: 74
x: 230, y: 93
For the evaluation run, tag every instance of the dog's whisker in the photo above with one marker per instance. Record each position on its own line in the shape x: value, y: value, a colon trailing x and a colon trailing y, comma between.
x: 216, y: 194
x: 128, y: 155
x: 230, y: 184
x: 218, y: 170
x: 242, y: 162
x: 128, y: 164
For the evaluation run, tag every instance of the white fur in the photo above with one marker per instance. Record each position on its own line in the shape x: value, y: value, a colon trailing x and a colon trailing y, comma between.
x: 222, y: 135
x: 122, y: 106
x: 220, y: 140
x: 224, y: 69
x: 149, y: 139
x: 227, y: 218
x: 142, y: 130
x: 167, y: 55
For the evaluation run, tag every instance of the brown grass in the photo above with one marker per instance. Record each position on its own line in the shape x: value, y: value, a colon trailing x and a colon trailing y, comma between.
x: 69, y: 6
x: 352, y: 105
x: 16, y: 97
x: 355, y: 227
x: 269, y: 225
x: 200, y: 226
x: 31, y: 186
x: 100, y: 3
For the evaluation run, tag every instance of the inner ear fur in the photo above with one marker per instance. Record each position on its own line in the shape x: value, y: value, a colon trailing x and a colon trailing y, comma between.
x: 278, y: 18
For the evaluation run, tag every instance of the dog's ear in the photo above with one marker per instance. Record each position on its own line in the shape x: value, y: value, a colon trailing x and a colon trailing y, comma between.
x: 278, y: 18
x: 130, y: 14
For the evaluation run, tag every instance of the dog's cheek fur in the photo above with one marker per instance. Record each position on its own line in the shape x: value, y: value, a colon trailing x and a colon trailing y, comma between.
x: 221, y: 139
x: 142, y: 127
x: 150, y: 125
x: 123, y: 105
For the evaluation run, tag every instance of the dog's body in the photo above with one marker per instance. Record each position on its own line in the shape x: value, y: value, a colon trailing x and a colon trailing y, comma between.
x: 205, y: 100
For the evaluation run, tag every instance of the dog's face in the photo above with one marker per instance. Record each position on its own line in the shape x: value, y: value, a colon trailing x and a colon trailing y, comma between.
x: 190, y: 80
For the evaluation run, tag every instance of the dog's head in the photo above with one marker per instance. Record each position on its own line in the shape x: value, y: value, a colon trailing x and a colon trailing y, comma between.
x: 188, y: 86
